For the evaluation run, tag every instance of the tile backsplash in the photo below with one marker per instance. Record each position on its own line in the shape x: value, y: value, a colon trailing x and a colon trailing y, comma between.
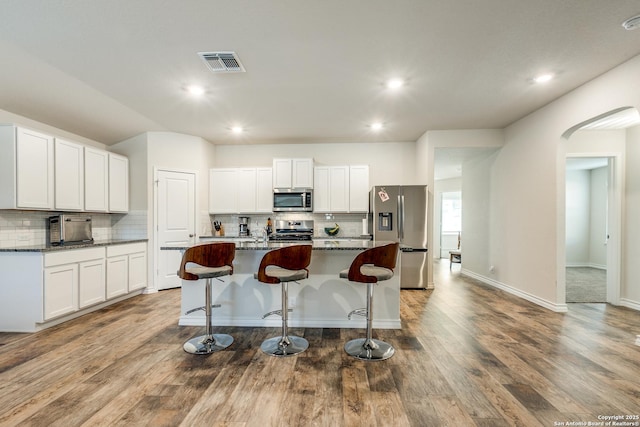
x: 350, y: 224
x: 26, y: 228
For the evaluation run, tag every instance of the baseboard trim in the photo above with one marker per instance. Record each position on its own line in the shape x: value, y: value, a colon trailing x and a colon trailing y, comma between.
x: 589, y: 265
x: 558, y: 308
x: 635, y: 305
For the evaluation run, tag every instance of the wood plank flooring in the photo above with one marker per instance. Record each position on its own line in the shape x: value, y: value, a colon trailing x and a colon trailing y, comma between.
x: 467, y: 355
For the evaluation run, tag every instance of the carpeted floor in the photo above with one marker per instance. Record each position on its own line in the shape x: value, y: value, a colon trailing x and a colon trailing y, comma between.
x: 586, y: 284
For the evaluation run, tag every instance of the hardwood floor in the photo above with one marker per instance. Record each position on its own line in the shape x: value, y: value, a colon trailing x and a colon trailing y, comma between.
x: 467, y: 355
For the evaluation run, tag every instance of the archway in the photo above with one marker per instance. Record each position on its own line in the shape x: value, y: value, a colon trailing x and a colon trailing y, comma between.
x: 602, y: 137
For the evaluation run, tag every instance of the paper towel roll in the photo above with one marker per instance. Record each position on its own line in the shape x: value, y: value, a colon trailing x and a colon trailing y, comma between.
x: 365, y: 226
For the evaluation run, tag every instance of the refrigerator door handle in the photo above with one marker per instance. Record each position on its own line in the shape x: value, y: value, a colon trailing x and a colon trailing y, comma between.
x: 401, y: 217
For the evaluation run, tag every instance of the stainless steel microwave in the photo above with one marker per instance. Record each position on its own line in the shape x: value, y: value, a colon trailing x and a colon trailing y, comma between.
x: 292, y: 200
x: 65, y: 229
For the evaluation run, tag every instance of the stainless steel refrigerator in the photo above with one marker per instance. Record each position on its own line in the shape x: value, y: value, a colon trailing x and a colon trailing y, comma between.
x: 398, y: 213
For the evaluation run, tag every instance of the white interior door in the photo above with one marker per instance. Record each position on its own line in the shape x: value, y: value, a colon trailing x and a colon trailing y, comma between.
x: 176, y: 216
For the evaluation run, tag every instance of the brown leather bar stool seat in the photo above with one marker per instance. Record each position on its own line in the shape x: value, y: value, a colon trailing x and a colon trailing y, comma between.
x: 284, y: 265
x: 370, y: 267
x: 207, y: 261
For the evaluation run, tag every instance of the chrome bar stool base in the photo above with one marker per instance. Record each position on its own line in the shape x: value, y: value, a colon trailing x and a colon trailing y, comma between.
x: 284, y: 346
x: 364, y: 349
x: 206, y: 344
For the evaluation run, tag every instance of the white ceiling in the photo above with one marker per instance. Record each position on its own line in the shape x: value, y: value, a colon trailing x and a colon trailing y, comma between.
x: 109, y: 70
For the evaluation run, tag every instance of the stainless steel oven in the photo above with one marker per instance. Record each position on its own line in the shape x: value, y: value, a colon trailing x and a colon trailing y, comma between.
x: 292, y: 200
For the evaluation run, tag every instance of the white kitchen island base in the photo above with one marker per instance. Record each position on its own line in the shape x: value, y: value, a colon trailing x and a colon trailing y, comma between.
x: 321, y: 301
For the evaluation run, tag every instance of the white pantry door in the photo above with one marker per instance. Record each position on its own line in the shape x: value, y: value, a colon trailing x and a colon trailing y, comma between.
x: 176, y: 214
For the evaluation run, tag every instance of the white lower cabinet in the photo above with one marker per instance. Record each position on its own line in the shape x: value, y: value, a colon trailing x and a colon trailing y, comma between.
x: 60, y: 290
x: 91, y: 285
x: 67, y: 277
x: 137, y: 271
x: 126, y: 268
x: 51, y: 287
x: 117, y: 276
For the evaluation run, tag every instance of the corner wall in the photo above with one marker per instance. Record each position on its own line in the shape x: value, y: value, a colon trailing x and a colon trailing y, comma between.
x: 630, y: 292
x: 153, y: 150
x: 527, y: 212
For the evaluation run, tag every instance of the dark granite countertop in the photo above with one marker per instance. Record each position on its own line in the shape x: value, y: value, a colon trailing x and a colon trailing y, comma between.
x: 50, y: 248
x: 252, y: 238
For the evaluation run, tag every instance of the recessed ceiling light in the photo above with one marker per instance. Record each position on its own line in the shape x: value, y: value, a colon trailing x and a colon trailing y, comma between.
x: 543, y: 78
x: 376, y: 126
x: 237, y: 129
x: 395, y: 83
x: 631, y: 23
x: 195, y: 90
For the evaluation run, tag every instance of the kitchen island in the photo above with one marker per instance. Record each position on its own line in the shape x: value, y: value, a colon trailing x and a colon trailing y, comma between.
x: 321, y: 301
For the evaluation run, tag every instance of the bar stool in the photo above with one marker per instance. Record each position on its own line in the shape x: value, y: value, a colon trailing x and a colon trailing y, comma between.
x: 284, y: 265
x: 213, y: 260
x: 370, y: 267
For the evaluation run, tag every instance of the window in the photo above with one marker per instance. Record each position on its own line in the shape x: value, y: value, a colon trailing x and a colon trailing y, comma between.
x: 451, y: 212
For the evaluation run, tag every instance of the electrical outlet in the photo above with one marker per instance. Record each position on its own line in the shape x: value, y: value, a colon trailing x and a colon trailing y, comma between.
x: 492, y: 269
x: 292, y: 302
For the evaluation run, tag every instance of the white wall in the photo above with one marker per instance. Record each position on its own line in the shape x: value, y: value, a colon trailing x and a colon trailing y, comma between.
x: 441, y: 186
x: 598, y: 215
x: 630, y: 291
x: 476, y: 213
x: 389, y: 162
x: 527, y: 213
x: 578, y: 213
x: 424, y: 158
x: 586, y: 217
x: 136, y: 150
x: 169, y: 150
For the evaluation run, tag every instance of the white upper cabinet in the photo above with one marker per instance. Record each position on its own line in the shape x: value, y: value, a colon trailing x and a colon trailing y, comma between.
x: 322, y: 190
x: 118, y: 183
x: 96, y: 180
x: 282, y: 173
x: 240, y: 190
x: 38, y: 172
x: 331, y: 193
x: 245, y: 185
x: 222, y: 191
x: 69, y: 176
x: 264, y: 191
x: 292, y: 173
x: 26, y: 169
x: 302, y: 173
x: 359, y: 188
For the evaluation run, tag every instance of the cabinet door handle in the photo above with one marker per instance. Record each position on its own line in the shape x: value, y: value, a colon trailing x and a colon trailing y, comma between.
x: 190, y: 235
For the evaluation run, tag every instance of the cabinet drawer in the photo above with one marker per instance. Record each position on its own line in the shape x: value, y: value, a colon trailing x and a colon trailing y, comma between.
x: 72, y: 256
x: 126, y: 249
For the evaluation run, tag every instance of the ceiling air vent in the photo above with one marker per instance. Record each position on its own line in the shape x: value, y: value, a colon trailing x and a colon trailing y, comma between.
x: 222, y: 62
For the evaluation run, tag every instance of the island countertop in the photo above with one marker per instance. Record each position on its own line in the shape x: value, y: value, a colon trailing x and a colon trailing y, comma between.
x: 318, y: 244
